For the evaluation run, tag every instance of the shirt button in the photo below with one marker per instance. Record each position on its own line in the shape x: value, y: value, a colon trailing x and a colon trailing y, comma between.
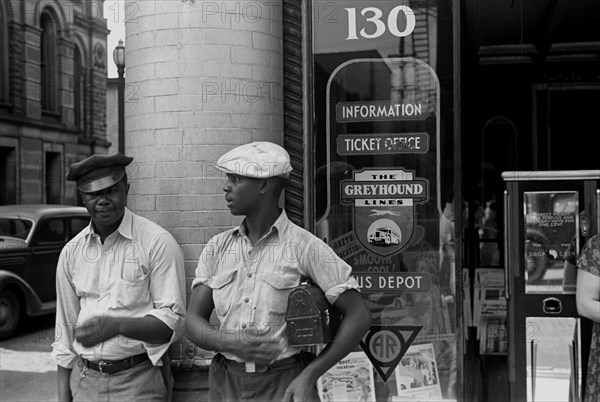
x: 246, y: 300
x: 249, y: 274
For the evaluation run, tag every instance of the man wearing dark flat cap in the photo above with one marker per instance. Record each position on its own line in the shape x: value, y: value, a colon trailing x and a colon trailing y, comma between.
x: 246, y: 275
x: 120, y: 295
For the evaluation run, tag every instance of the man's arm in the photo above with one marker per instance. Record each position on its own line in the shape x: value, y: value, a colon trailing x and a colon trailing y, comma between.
x: 64, y: 387
x: 99, y: 329
x: 251, y: 344
x: 588, y: 295
x: 356, y: 321
x: 67, y: 311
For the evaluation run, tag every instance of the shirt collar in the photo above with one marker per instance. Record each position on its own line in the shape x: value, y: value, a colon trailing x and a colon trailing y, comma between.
x: 124, y: 227
x: 279, y: 226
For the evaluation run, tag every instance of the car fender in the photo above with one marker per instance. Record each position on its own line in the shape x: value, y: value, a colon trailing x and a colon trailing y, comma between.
x: 33, y: 304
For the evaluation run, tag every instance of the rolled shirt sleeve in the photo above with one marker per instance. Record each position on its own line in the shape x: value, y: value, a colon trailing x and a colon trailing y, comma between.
x: 167, y: 289
x: 206, y: 263
x: 333, y: 293
x: 67, y: 311
x: 332, y: 274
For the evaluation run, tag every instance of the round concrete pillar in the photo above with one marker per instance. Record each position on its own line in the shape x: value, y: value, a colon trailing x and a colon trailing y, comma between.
x: 201, y: 78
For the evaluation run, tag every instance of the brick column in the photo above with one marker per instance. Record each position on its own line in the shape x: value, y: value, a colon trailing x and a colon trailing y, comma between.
x: 201, y: 78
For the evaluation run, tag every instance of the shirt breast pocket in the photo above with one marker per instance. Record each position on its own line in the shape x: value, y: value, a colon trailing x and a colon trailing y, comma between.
x: 134, y: 274
x: 223, y: 291
x: 133, y: 288
x: 277, y: 288
x: 135, y: 267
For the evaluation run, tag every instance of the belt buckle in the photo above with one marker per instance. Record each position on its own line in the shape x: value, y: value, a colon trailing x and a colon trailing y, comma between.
x: 101, y: 364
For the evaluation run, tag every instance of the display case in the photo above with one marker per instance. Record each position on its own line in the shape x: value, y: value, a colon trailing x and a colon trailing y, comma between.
x: 548, y: 217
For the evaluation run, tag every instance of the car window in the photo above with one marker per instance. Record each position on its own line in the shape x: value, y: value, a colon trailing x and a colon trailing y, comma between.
x: 14, y: 227
x: 77, y: 225
x: 51, y: 231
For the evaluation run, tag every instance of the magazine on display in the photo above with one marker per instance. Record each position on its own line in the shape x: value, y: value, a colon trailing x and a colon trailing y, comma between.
x: 488, y: 295
x: 417, y: 375
x: 351, y: 379
x: 493, y: 335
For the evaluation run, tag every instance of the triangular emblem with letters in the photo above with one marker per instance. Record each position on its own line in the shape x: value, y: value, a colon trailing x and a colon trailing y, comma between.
x: 385, y: 345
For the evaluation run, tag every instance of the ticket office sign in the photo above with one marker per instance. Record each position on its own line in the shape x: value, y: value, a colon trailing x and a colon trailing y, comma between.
x: 388, y: 143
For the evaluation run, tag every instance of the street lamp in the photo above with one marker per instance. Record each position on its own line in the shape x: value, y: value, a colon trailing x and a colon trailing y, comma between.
x: 119, y: 58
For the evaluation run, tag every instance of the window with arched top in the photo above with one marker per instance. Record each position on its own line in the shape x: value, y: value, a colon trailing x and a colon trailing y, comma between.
x: 78, y: 88
x: 4, y: 55
x: 49, y: 61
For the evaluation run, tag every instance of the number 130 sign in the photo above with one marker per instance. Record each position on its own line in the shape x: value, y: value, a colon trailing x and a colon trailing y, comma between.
x: 374, y: 16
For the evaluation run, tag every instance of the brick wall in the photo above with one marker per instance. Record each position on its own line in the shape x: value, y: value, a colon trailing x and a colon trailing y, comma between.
x: 202, y: 78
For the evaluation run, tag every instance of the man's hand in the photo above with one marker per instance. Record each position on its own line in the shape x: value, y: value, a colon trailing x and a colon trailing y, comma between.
x: 255, y: 345
x: 302, y: 389
x: 97, y: 330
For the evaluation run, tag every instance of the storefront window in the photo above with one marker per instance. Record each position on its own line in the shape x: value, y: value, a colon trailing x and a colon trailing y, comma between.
x: 383, y: 140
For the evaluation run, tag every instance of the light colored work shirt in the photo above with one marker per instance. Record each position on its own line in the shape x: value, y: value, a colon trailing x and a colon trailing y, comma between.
x: 138, y: 271
x: 251, y: 283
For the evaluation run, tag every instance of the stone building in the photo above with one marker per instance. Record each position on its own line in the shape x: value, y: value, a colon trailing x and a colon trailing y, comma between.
x: 52, y: 95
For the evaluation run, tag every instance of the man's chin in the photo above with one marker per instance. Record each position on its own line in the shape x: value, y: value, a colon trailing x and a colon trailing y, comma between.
x: 107, y: 219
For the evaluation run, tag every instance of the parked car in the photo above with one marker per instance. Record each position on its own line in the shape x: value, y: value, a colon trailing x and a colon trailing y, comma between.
x: 31, y: 238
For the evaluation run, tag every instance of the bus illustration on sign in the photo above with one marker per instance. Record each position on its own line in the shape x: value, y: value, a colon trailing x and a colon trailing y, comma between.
x: 384, y: 236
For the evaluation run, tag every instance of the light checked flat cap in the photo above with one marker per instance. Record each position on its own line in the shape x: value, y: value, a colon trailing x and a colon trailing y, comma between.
x: 259, y: 160
x: 98, y: 172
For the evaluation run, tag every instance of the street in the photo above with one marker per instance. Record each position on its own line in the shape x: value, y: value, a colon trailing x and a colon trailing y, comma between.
x: 27, y: 371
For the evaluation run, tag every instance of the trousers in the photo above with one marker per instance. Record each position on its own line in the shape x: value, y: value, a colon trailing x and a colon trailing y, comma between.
x: 228, y: 381
x: 143, y: 382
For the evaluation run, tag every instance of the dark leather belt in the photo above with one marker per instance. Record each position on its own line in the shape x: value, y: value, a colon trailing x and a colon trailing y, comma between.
x: 261, y: 368
x: 114, y: 366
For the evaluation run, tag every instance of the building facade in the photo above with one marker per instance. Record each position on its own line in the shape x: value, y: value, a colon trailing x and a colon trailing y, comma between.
x: 429, y: 97
x: 52, y: 95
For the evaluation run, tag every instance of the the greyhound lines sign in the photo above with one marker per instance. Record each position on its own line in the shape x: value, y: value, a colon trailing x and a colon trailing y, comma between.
x: 383, y: 203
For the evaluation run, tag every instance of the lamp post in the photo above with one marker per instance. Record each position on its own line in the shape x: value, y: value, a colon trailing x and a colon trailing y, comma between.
x: 119, y: 58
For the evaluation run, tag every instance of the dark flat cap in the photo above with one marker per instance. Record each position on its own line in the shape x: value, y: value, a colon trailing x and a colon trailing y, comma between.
x: 98, y: 172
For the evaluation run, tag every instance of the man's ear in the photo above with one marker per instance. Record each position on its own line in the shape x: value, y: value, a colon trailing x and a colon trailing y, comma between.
x: 266, y: 185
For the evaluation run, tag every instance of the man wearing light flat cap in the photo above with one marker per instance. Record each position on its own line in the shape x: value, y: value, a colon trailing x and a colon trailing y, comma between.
x: 246, y: 274
x: 120, y: 295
